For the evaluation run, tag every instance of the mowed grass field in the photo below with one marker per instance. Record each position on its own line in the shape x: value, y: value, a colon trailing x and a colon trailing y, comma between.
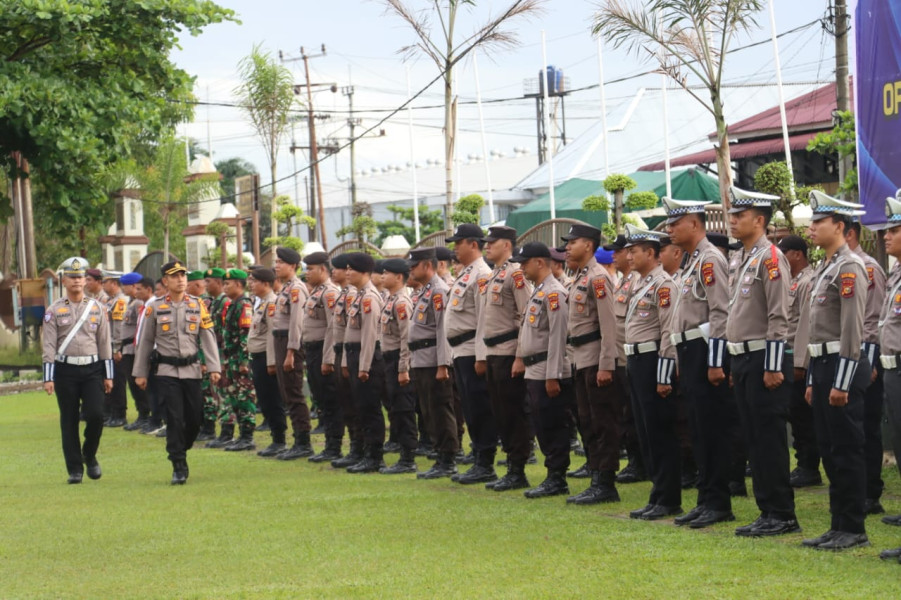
x: 246, y: 527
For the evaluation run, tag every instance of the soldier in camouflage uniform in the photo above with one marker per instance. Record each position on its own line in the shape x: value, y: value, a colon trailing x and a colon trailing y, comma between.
x: 237, y: 393
x: 197, y: 287
x: 213, y: 407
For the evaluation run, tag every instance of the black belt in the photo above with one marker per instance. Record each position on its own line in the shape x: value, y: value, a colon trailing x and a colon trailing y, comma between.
x: 580, y: 340
x: 500, y: 339
x: 315, y: 345
x: 420, y: 344
x: 358, y: 346
x: 463, y: 337
x: 178, y: 361
x: 391, y: 354
x: 280, y: 333
x: 534, y: 359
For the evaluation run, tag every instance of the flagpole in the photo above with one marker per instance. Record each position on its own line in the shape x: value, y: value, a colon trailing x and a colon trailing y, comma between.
x: 788, y: 153
x: 475, y: 68
x: 412, y: 157
x: 547, y: 122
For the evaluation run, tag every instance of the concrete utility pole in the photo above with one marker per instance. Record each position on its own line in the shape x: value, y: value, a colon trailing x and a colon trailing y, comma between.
x: 352, y: 122
x: 840, y: 23
x: 314, y: 148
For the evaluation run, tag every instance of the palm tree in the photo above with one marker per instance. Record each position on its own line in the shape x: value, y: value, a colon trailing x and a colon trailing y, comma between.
x: 446, y: 51
x: 693, y: 35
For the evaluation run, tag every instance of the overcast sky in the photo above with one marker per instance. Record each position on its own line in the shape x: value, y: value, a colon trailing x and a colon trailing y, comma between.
x: 362, y: 41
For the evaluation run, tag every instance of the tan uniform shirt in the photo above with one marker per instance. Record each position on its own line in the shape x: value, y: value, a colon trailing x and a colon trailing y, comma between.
x: 395, y: 327
x: 339, y: 320
x: 505, y: 295
x: 288, y: 311
x: 126, y: 342
x: 91, y: 339
x: 799, y: 316
x: 317, y: 323
x: 621, y: 294
x: 260, y: 339
x: 544, y: 326
x: 838, y: 301
x: 117, y: 307
x: 704, y: 298
x: 591, y: 310
x: 427, y: 323
x: 178, y: 329
x: 758, y: 301
x: 890, y: 319
x: 464, y: 308
x: 875, y: 299
x: 363, y: 324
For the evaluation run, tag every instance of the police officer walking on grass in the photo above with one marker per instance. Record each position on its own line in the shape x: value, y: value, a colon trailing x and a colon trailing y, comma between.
x: 757, y: 332
x: 176, y: 325
x: 838, y: 373
x: 542, y: 361
x: 78, y: 366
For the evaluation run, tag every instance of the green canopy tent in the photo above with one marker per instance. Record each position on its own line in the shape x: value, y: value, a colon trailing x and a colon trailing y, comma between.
x: 688, y: 184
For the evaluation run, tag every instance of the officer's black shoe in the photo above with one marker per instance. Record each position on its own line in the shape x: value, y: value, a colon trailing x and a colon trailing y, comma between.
x: 661, y: 512
x: 554, y: 485
x: 745, y: 530
x: 632, y: 473
x: 636, y: 514
x: 149, y: 426
x: 576, y: 446
x: 894, y: 520
x: 601, y: 490
x: 468, y: 459
x: 893, y: 554
x: 843, y: 540
x: 815, y: 542
x: 75, y: 477
x: 444, y: 467
x: 690, y: 516
x: 93, y: 468
x: 581, y: 473
x: 243, y: 444
x: 117, y: 422
x: 273, y: 449
x: 264, y: 426
x: 406, y: 464
x: 371, y: 463
x: 136, y: 424
x: 738, y: 489
x: 689, y: 479
x: 161, y: 432
x: 353, y: 457
x: 318, y: 430
x: 391, y: 447
x: 872, y: 507
x: 515, y: 479
x: 423, y: 449
x: 802, y: 477
x: 770, y: 527
x: 532, y: 460
x: 225, y: 437
x: 179, y: 472
x: 476, y: 474
x: 332, y: 451
x: 296, y: 451
x: 711, y: 517
x: 203, y: 436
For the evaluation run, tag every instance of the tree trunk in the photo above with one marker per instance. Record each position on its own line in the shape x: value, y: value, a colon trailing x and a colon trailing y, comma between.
x: 449, y: 134
x: 166, y: 236
x: 618, y: 210
x: 273, y: 222
x: 723, y: 154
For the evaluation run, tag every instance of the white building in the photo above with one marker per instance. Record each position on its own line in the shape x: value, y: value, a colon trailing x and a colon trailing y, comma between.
x: 197, y: 243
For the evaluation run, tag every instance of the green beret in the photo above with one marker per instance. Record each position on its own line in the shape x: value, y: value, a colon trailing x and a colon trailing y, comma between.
x: 215, y: 273
x: 236, y: 274
x: 195, y: 275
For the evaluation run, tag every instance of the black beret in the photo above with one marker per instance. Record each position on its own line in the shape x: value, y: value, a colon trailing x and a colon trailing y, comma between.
x: 618, y: 244
x: 396, y: 265
x: 531, y: 250
x: 340, y: 261
x: 316, y: 258
x: 444, y: 253
x: 582, y: 231
x: 288, y: 255
x: 501, y: 232
x: 360, y: 262
x: 379, y: 266
x: 263, y: 274
x: 558, y: 255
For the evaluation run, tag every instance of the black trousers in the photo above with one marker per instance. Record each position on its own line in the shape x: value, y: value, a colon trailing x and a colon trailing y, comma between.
x: 436, y: 399
x: 269, y: 398
x: 655, y: 425
x: 840, y: 436
x: 892, y: 382
x: 764, y: 414
x: 79, y: 389
x: 627, y: 425
x: 142, y: 403
x: 401, y: 402
x: 550, y: 419
x: 710, y: 413
x: 458, y: 407
x: 872, y: 432
x: 476, y: 405
x: 804, y: 439
x: 600, y: 411
x: 291, y: 385
x: 510, y: 405
x: 367, y: 396
x: 184, y: 413
x: 325, y: 391
x: 345, y: 401
x: 116, y: 402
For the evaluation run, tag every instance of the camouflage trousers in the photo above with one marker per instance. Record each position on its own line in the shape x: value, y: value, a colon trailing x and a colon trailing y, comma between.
x: 238, y: 399
x: 211, y: 402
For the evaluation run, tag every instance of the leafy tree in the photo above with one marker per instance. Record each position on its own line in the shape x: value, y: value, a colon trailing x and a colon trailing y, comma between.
x: 468, y: 209
x: 363, y: 226
x: 430, y: 221
x: 287, y: 216
x: 617, y: 184
x: 596, y: 204
x: 774, y: 178
x: 446, y: 50
x: 230, y: 169
x: 689, y: 35
x: 81, y: 81
x: 838, y: 144
x: 642, y: 201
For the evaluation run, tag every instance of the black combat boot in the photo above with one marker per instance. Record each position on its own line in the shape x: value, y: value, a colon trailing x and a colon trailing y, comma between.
x: 225, y: 437
x: 372, y: 461
x: 179, y: 472
x: 515, y: 479
x: 207, y: 431
x: 406, y: 463
x: 332, y: 451
x: 582, y: 472
x: 481, y: 472
x: 634, y: 471
x: 444, y: 467
x: 602, y: 489
x: 276, y: 447
x: 354, y: 456
x: 554, y: 485
x: 300, y: 449
x: 245, y: 442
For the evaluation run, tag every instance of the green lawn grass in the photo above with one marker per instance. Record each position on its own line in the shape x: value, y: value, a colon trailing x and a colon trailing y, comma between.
x: 245, y: 527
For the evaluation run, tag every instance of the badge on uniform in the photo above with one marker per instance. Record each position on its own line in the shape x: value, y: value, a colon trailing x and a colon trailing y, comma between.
x: 870, y: 275
x: 600, y: 290
x: 402, y: 312
x: 707, y: 273
x: 553, y: 300
x: 483, y: 285
x: 519, y: 280
x: 848, y: 284
x: 270, y: 310
x: 438, y: 301
x: 367, y: 305
x: 295, y: 295
x: 455, y: 302
x: 531, y: 318
x: 330, y: 299
x: 772, y: 268
x: 663, y: 297
x: 47, y: 316
x: 246, y: 316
